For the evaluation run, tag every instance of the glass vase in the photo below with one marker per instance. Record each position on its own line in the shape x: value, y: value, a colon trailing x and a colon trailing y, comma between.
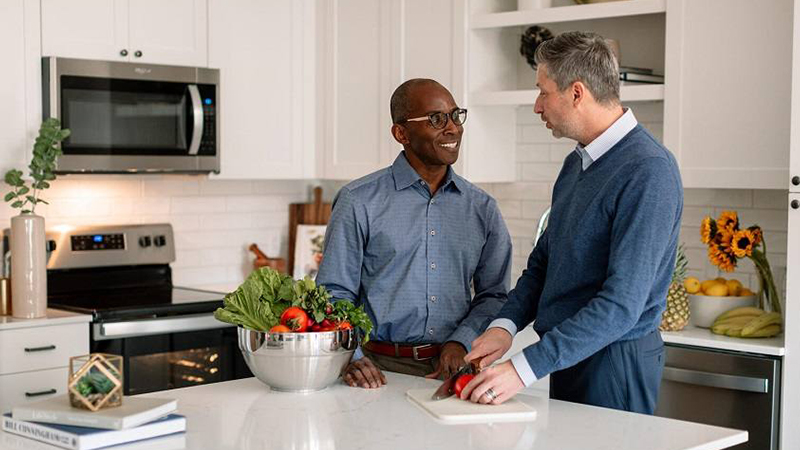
x: 769, y: 298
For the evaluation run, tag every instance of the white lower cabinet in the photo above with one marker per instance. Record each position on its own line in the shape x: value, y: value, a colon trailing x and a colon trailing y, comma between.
x: 19, y: 388
x: 34, y: 360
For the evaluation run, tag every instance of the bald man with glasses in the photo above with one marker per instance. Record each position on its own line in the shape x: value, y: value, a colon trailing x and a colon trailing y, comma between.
x: 426, y: 252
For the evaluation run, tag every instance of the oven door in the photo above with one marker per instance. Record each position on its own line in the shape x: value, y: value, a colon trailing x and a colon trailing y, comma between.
x: 157, y: 119
x: 172, y: 359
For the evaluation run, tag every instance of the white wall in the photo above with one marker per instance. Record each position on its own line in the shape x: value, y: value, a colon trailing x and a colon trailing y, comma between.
x: 214, y: 221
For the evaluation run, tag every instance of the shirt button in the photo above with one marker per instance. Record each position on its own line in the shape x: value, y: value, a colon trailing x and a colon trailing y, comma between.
x: 433, y: 298
x: 433, y: 265
x: 433, y: 200
x: 430, y: 331
x: 433, y: 232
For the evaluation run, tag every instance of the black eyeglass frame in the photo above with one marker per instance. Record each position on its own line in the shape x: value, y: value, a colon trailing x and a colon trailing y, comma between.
x: 447, y: 116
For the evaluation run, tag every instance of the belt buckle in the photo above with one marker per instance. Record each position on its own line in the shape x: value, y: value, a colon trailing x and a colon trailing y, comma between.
x: 416, y: 355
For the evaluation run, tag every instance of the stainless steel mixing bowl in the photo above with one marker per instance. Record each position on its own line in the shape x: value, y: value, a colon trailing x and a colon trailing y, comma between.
x: 297, y: 362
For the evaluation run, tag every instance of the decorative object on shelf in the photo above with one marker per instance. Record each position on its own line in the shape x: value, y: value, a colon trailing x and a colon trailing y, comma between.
x: 262, y: 260
x: 525, y: 5
x: 314, y: 213
x: 5, y: 297
x: 95, y: 381
x: 531, y: 39
x: 676, y: 315
x: 28, y: 252
x: 308, y: 250
x: 727, y: 243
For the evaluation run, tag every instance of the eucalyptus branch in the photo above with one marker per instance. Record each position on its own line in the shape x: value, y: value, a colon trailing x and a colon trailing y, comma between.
x: 46, y: 151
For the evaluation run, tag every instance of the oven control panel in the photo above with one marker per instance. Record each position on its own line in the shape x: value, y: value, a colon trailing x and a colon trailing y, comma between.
x: 98, y: 242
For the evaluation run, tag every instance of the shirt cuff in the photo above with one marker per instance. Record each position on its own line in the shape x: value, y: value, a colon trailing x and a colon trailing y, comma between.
x: 506, y: 324
x: 523, y: 369
x: 358, y: 354
x: 464, y: 336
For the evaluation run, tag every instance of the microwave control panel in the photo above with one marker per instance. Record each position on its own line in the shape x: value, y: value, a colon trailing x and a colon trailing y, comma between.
x: 208, y: 145
x: 98, y: 242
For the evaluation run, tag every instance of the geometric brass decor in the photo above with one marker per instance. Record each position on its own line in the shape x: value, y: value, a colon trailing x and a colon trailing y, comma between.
x: 95, y: 381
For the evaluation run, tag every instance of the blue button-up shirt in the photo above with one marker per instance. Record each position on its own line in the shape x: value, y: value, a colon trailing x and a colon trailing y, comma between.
x: 411, y: 258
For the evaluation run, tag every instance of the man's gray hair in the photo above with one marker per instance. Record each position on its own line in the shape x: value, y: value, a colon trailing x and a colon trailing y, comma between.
x: 585, y: 57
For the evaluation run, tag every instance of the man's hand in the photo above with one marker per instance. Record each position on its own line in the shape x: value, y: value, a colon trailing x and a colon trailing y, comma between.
x: 502, y: 379
x: 490, y: 346
x: 364, y: 373
x: 451, y: 358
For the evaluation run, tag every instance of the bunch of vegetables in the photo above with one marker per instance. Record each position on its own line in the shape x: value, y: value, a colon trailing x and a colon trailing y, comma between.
x: 270, y: 301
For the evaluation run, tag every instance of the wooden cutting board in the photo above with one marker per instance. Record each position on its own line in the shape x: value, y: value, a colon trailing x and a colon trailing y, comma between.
x: 453, y: 410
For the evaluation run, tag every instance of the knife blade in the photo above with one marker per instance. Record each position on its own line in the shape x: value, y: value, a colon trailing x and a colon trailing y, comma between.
x: 446, y: 389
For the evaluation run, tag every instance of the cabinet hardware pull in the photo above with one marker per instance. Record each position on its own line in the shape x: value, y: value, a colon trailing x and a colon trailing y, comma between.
x: 138, y: 54
x: 796, y: 180
x: 39, y: 349
x: 716, y: 380
x: 123, y: 52
x: 795, y: 204
x: 37, y: 394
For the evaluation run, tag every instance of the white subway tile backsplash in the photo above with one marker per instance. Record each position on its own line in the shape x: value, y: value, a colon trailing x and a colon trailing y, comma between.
x: 510, y: 209
x: 546, y: 172
x: 522, y: 191
x: 225, y: 187
x: 718, y: 198
x: 171, y: 186
x: 197, y: 205
x: 533, y: 153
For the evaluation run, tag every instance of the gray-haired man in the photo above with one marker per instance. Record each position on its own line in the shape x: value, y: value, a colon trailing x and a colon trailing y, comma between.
x: 596, y: 281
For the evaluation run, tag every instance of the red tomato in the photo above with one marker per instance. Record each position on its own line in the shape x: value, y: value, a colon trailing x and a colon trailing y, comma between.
x: 295, y: 318
x: 280, y: 329
x: 462, y: 381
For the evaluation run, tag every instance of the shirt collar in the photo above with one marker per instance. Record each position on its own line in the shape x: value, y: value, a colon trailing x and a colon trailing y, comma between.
x: 607, y: 139
x: 405, y: 175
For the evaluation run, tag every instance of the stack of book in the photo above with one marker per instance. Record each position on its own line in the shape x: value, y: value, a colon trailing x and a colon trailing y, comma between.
x: 639, y: 75
x: 56, y: 422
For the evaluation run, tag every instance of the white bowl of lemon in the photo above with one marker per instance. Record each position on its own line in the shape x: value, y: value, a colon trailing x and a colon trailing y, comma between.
x: 710, y: 298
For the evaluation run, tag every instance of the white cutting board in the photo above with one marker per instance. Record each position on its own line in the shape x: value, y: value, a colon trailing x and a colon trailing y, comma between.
x: 453, y: 410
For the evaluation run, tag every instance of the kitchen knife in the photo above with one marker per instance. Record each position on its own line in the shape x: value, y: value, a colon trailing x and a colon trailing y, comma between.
x: 446, y: 389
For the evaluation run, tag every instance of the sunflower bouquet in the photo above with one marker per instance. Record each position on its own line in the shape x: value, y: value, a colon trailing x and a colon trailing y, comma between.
x: 727, y: 243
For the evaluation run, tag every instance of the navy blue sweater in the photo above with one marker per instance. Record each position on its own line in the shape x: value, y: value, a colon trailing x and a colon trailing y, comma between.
x: 602, y: 268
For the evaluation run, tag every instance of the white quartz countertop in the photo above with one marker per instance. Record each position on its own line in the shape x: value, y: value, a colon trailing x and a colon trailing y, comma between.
x: 245, y: 414
x: 703, y: 337
x: 54, y: 317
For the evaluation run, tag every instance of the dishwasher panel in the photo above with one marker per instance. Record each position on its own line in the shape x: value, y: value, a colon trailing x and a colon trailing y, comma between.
x: 728, y: 389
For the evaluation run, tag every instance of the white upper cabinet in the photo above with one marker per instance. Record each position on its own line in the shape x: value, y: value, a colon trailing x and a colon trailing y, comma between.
x: 727, y: 105
x: 359, y: 49
x: 20, y: 89
x: 265, y: 53
x: 794, y: 143
x: 368, y: 49
x: 170, y: 32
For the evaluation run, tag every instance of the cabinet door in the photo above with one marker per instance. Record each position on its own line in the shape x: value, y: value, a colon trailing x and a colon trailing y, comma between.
x: 790, y: 408
x: 87, y: 29
x: 169, y: 32
x: 357, y: 64
x: 20, y: 81
x: 265, y: 53
x: 726, y: 112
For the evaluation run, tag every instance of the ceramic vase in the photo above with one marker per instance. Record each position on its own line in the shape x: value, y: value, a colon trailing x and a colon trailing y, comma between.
x: 28, y: 267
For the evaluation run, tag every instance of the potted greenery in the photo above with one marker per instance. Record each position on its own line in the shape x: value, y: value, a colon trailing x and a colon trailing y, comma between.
x: 28, y: 256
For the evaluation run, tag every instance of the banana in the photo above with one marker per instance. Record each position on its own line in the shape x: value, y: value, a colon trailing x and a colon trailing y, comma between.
x: 720, y: 327
x: 767, y: 331
x: 741, y: 311
x: 760, y: 322
x: 734, y: 331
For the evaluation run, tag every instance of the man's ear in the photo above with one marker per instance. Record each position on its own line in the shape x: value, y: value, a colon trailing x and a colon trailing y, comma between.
x: 578, y: 92
x: 399, y: 134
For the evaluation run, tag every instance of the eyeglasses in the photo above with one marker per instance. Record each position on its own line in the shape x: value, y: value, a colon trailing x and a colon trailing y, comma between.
x: 439, y: 119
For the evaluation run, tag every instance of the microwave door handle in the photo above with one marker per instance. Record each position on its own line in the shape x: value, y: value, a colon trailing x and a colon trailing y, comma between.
x: 197, y: 112
x: 716, y: 380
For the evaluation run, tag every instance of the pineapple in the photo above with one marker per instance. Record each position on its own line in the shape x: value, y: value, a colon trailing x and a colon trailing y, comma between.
x: 676, y: 316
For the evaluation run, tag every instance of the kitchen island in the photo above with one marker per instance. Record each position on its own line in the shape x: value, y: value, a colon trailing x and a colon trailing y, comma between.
x: 245, y: 414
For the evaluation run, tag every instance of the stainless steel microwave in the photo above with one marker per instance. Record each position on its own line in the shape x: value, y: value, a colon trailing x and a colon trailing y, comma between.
x: 133, y: 118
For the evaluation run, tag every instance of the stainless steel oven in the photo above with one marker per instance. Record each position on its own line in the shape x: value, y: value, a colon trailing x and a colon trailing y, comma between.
x: 133, y: 118
x: 167, y: 335
x: 723, y: 388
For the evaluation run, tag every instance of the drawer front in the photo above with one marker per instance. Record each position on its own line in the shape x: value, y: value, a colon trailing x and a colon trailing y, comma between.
x: 38, y: 348
x: 19, y: 388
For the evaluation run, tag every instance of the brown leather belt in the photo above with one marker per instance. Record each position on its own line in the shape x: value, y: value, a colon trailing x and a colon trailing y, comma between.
x: 417, y: 352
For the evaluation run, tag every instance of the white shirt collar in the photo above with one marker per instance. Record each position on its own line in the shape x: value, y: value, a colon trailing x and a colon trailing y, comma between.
x: 607, y: 139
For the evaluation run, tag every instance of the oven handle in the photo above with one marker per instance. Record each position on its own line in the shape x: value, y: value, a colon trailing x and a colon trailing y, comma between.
x: 716, y: 380
x: 117, y: 330
x: 197, y: 112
